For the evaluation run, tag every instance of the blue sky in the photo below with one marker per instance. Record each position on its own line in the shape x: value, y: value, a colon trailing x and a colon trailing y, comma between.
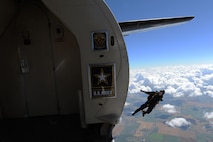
x: 189, y: 43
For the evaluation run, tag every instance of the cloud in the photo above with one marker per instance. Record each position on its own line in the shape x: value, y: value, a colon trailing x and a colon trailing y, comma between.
x: 178, y: 122
x: 209, y: 90
x: 169, y: 108
x: 127, y: 104
x: 208, y: 115
x: 177, y: 81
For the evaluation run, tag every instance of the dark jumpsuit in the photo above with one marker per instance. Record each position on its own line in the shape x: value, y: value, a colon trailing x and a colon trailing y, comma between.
x: 148, y: 103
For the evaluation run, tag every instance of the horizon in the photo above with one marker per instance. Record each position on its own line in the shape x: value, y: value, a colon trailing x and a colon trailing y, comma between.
x: 177, y: 81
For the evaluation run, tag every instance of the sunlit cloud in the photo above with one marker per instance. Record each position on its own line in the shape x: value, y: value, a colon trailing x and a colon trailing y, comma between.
x: 178, y: 122
x: 169, y: 108
x: 127, y: 104
x: 177, y: 81
x: 208, y: 115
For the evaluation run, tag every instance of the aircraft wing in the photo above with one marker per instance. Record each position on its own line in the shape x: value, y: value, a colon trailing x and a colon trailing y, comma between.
x: 143, y: 25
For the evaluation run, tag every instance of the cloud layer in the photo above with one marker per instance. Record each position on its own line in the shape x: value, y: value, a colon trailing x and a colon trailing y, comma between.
x: 177, y: 81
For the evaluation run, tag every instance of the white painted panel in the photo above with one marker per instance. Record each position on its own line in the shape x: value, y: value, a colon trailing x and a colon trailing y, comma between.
x: 84, y: 18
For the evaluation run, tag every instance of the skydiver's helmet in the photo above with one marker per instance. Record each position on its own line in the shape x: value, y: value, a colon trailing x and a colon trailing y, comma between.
x: 161, y: 93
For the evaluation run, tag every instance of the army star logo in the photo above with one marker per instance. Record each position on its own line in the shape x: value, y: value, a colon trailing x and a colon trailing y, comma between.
x: 102, y: 77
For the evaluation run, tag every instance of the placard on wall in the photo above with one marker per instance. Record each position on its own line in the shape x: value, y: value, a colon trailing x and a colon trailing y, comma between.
x: 100, y: 40
x: 102, y: 80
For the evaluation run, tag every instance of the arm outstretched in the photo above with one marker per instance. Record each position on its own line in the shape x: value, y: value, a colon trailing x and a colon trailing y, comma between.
x: 149, y: 93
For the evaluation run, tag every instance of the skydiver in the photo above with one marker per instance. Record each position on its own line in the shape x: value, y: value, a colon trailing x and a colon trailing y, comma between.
x: 155, y: 100
x: 152, y: 100
x: 146, y: 104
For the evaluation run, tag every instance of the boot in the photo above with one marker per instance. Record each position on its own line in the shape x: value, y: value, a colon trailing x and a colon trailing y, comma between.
x: 144, y: 113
